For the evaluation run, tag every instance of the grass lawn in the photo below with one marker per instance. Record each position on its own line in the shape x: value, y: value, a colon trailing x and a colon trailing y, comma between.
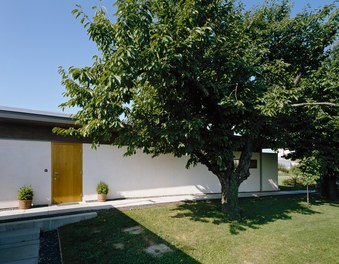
x: 273, y: 230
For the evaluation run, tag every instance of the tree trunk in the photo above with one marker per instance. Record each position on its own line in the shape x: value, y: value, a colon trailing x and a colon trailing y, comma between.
x: 332, y: 188
x: 229, y: 195
x: 232, y: 178
x: 308, y: 195
x: 328, y: 186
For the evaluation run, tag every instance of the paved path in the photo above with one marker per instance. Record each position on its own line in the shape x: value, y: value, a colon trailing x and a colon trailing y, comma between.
x: 47, y: 211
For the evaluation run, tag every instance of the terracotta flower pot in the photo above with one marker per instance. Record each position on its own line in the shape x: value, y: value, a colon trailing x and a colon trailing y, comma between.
x: 25, y: 204
x: 102, y: 197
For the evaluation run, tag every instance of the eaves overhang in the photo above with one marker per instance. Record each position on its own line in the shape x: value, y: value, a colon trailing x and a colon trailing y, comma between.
x: 19, y: 115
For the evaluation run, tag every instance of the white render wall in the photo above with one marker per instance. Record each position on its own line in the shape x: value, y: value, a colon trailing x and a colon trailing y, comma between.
x: 252, y: 184
x: 141, y: 175
x: 23, y: 163
x: 269, y: 172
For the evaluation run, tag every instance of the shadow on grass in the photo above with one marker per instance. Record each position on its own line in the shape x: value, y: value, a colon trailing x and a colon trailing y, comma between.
x: 105, y: 240
x: 335, y: 204
x: 254, y: 211
x: 319, y: 201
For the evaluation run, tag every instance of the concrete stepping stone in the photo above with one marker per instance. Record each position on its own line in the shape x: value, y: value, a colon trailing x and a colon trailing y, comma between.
x: 158, y: 250
x: 119, y: 246
x: 134, y: 230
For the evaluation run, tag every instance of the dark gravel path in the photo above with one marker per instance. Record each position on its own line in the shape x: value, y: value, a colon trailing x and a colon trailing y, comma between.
x: 49, y: 248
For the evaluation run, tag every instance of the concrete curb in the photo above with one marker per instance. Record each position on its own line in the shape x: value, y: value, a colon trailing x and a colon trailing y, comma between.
x: 50, y: 211
x: 46, y: 224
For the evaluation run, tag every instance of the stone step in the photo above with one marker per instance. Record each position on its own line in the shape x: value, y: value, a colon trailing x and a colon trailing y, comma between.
x: 20, y: 240
x: 24, y: 261
x: 19, y: 244
x: 22, y: 251
x: 19, y: 235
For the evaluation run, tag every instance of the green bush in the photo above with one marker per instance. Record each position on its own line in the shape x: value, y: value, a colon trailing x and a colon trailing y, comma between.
x: 25, y: 193
x: 292, y: 181
x: 102, y: 188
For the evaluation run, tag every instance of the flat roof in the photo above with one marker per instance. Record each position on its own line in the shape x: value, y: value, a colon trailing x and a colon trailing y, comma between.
x: 34, y: 116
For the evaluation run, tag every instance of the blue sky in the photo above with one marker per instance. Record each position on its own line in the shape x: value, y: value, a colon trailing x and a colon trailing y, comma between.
x: 38, y: 36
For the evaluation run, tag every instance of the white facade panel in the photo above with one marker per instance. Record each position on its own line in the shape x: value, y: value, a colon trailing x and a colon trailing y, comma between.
x: 24, y: 163
x: 252, y: 184
x: 269, y: 172
x: 141, y: 175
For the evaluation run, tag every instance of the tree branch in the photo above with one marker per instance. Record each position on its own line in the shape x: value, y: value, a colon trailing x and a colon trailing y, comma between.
x: 315, y: 103
x: 203, y: 159
x: 235, y: 92
x: 242, y: 170
x: 297, y: 79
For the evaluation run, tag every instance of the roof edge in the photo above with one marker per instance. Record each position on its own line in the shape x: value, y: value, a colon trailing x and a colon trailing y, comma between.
x: 29, y: 115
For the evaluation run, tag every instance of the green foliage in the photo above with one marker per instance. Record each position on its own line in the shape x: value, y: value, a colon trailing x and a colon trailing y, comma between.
x: 315, y: 133
x: 25, y: 193
x: 228, y: 68
x: 102, y: 188
x: 308, y: 170
x: 293, y: 180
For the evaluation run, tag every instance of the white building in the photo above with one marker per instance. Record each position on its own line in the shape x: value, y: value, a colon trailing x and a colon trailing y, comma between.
x: 65, y: 169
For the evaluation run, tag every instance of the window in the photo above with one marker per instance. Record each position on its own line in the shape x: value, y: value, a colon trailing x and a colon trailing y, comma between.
x: 253, y: 163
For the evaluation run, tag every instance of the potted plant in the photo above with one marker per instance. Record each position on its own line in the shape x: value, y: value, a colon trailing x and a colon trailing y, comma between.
x: 102, y: 190
x: 25, y: 197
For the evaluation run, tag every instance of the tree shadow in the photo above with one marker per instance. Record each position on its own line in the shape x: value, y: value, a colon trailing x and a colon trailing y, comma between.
x: 255, y: 212
x: 317, y: 199
x: 114, y: 237
x: 335, y: 204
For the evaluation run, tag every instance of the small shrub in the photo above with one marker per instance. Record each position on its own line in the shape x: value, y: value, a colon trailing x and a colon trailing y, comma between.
x: 102, y: 188
x: 25, y: 193
x: 292, y: 181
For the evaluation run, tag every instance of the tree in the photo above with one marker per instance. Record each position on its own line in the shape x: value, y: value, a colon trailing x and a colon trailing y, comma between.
x: 195, y: 78
x: 308, y: 170
x: 317, y: 132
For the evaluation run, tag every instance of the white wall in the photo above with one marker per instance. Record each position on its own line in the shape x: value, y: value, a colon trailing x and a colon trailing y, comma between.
x: 142, y: 176
x: 252, y: 184
x: 23, y: 163
x: 269, y: 172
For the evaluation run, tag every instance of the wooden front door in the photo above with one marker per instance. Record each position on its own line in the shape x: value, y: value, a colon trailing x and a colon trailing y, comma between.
x: 66, y: 172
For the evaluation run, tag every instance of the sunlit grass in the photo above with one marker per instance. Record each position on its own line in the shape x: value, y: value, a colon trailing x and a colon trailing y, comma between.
x: 272, y: 230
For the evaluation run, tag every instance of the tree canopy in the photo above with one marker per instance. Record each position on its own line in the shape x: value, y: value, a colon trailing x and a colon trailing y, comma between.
x: 315, y: 133
x: 197, y: 78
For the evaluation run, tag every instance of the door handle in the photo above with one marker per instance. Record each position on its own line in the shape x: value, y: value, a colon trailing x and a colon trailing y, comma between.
x: 56, y: 175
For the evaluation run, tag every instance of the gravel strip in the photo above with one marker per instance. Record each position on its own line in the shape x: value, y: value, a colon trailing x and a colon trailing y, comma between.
x: 49, y: 248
